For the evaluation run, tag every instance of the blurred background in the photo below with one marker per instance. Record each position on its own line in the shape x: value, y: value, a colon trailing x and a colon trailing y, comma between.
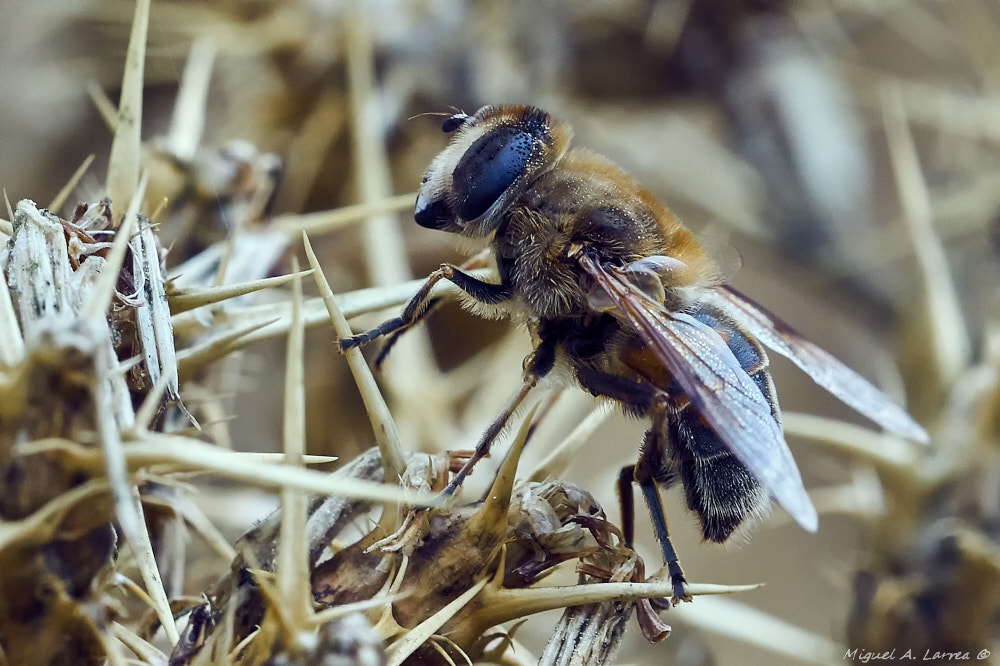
x: 838, y: 157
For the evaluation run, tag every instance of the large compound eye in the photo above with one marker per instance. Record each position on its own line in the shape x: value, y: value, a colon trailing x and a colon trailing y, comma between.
x: 488, y: 168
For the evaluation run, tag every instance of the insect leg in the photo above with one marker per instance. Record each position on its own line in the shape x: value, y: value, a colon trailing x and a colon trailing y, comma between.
x: 536, y: 365
x: 635, y: 397
x: 626, y: 502
x: 390, y: 342
x: 492, y: 432
x: 647, y: 484
x: 484, y: 292
x: 641, y: 398
x: 652, y: 466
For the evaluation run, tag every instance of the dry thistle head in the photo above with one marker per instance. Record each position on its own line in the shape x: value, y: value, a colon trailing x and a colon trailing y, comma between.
x: 67, y: 406
x: 450, y: 571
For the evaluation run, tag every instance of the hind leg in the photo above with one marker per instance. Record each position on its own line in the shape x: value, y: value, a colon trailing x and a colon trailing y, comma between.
x: 651, y: 495
x: 642, y: 399
x: 654, y: 466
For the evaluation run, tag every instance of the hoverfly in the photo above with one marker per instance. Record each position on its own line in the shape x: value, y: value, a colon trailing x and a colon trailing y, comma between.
x: 618, y: 295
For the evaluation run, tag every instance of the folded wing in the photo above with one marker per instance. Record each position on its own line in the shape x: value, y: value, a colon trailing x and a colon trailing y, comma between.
x: 710, y: 375
x: 847, y: 385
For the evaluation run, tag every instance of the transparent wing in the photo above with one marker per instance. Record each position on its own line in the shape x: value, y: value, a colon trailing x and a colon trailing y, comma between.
x: 711, y: 377
x: 848, y: 386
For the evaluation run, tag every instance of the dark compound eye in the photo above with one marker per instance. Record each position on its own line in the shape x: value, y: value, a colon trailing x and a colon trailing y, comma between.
x: 454, y: 122
x: 488, y: 168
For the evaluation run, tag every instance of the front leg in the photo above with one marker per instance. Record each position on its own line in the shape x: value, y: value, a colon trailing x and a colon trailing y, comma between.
x: 537, y: 364
x: 487, y: 293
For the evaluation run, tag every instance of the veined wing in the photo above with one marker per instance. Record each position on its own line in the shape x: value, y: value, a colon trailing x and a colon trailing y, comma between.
x: 711, y: 377
x: 848, y: 386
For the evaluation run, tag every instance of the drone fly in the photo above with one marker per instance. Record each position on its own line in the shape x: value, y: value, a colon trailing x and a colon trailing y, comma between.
x: 620, y: 297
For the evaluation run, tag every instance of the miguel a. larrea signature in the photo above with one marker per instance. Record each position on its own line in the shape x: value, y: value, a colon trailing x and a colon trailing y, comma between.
x: 863, y: 656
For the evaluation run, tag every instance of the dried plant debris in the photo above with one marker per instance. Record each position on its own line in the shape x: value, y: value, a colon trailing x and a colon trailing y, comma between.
x: 67, y: 386
x: 939, y: 598
x: 79, y: 395
x: 214, y: 196
x: 592, y: 633
x: 79, y: 392
x: 433, y: 559
x: 930, y: 581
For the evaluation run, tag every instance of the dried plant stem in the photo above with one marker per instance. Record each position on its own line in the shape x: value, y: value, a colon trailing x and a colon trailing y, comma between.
x: 499, y: 605
x: 194, y: 358
x: 202, y: 525
x: 384, y: 248
x: 88, y: 459
x: 343, y: 610
x: 113, y: 650
x: 105, y: 107
x: 188, y: 121
x: 123, y: 165
x: 731, y: 618
x: 271, y: 321
x: 67, y: 189
x: 378, y: 412
x: 330, y: 220
x: 115, y: 468
x: 183, y: 300
x: 144, y: 650
x: 146, y: 561
x: 8, y: 226
x: 559, y: 458
x: 883, y: 450
x: 949, y: 344
x: 308, y: 150
x: 864, y: 498
x: 293, y: 557
x: 112, y: 415
x: 412, y: 372
x: 153, y: 448
x: 399, y: 651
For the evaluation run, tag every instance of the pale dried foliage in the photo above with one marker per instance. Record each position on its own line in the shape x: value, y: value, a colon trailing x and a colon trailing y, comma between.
x: 848, y: 149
